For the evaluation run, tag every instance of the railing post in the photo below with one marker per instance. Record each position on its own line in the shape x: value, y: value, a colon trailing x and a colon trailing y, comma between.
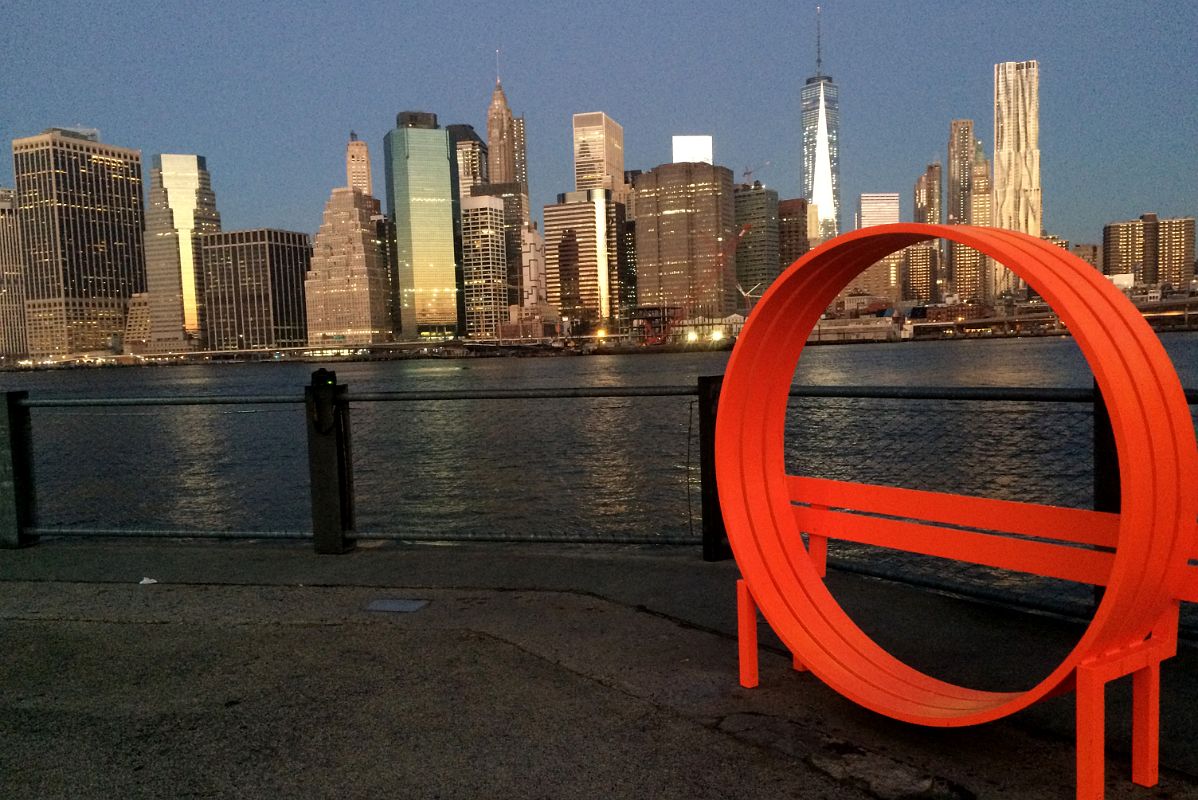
x: 715, y: 537
x: 330, y: 463
x: 16, y: 473
x: 1107, y: 493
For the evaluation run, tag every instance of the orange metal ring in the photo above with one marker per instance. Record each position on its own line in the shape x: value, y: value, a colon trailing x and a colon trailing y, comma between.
x: 1153, y: 430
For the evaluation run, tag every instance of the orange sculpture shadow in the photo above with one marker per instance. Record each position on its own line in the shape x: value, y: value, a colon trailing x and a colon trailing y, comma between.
x: 1141, y: 555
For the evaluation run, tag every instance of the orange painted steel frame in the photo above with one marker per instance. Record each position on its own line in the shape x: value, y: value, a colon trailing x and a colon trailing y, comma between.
x: 1140, y: 554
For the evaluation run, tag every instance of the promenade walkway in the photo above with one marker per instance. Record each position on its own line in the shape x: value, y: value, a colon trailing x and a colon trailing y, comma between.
x: 255, y: 670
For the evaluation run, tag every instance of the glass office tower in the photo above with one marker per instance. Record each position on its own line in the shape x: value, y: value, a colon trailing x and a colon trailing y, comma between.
x: 420, y: 202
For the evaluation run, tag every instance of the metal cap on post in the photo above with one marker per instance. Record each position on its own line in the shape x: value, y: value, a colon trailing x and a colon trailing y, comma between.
x: 330, y: 463
x: 16, y: 473
x: 715, y: 538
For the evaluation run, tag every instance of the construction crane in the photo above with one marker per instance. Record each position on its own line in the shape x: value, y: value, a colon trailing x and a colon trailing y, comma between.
x: 747, y: 175
x: 730, y: 246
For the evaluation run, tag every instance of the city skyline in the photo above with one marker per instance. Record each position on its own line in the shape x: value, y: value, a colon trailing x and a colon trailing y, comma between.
x: 1105, y: 157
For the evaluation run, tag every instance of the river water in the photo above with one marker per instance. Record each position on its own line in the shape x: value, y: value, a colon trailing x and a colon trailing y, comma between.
x: 591, y: 468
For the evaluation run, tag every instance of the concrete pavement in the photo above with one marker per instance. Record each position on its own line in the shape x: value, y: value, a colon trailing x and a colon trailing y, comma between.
x: 254, y: 669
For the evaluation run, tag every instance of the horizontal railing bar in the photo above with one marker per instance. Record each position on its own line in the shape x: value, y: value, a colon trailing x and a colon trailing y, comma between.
x: 459, y: 536
x: 455, y: 536
x: 151, y: 533
x: 974, y: 393
x: 527, y: 394
x: 1020, y: 393
x: 183, y: 400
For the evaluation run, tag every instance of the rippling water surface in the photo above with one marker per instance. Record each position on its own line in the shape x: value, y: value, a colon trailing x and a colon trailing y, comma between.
x: 603, y: 466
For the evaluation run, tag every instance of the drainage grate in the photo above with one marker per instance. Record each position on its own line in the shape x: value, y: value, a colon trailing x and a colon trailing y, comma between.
x: 396, y: 605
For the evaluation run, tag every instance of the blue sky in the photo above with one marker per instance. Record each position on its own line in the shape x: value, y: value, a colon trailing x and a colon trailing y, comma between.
x: 269, y: 91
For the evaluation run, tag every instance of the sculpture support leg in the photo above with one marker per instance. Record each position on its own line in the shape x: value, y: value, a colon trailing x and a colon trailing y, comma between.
x: 746, y: 634
x: 1146, y: 721
x: 1091, y: 734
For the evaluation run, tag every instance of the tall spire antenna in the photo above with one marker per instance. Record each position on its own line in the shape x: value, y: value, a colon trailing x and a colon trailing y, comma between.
x: 819, y: 53
x: 496, y: 65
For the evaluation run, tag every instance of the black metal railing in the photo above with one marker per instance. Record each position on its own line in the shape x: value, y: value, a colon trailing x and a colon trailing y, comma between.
x: 330, y: 463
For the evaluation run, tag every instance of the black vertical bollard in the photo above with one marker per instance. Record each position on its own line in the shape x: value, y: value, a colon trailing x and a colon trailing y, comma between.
x: 16, y: 473
x: 715, y: 537
x: 1107, y: 492
x: 330, y: 463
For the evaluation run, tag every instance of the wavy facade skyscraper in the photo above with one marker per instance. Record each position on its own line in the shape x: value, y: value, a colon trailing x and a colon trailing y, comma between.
x: 820, y: 101
x: 1017, y: 203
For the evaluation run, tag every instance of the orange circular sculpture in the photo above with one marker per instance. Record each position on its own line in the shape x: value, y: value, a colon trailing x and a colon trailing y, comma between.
x: 1144, y: 578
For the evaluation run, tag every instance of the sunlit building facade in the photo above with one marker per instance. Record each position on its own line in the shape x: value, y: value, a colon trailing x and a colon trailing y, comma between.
x: 346, y: 289
x: 599, y: 154
x: 1017, y: 201
x: 357, y: 165
x: 79, y: 213
x: 582, y: 260
x: 12, y: 292
x: 923, y: 268
x: 1153, y: 251
x: 182, y: 207
x: 254, y: 288
x: 884, y: 278
x: 685, y: 229
x: 969, y: 274
x: 420, y: 203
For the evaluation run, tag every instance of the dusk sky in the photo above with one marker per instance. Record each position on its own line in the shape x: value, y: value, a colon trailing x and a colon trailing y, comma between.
x: 269, y: 92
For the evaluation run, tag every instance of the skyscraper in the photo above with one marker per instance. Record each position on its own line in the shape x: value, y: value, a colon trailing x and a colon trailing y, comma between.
x: 1154, y: 251
x: 254, y: 288
x: 484, y: 265
x: 922, y: 268
x: 357, y: 165
x: 884, y: 278
x: 182, y: 207
x: 793, y: 226
x: 501, y: 137
x: 521, y: 152
x: 820, y: 100
x: 960, y: 171
x: 420, y: 203
x: 582, y: 258
x: 1017, y: 202
x: 927, y: 196
x: 685, y: 239
x: 79, y: 210
x: 347, y: 289
x: 471, y: 155
x: 599, y: 154
x: 877, y: 208
x: 515, y: 222
x: 757, y: 249
x: 968, y: 272
x: 919, y: 270
x: 12, y: 292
